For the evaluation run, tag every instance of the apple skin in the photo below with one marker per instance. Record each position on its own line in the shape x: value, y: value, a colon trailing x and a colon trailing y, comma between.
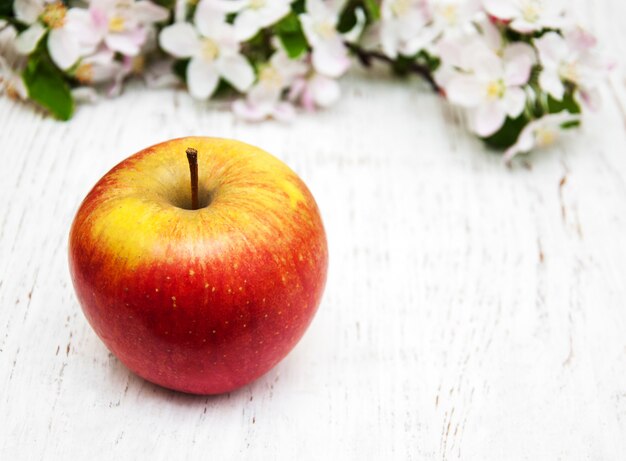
x: 201, y: 301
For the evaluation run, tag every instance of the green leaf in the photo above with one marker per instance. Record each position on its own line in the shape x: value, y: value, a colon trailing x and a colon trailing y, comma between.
x: 372, y: 9
x: 290, y: 33
x: 169, y: 4
x: 508, y: 134
x: 568, y: 103
x: 347, y: 19
x: 47, y: 86
x: 298, y: 6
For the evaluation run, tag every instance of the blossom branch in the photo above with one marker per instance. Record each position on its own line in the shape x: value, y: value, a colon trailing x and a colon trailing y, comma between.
x: 366, y: 57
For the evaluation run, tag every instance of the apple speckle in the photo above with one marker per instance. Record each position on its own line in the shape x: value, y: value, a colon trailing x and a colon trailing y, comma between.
x: 213, y: 290
x: 214, y: 332
x: 206, y: 285
x: 156, y: 289
x: 192, y: 272
x: 173, y: 301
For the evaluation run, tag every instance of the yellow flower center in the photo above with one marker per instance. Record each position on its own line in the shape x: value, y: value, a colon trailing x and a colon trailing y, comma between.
x: 400, y: 7
x: 54, y: 15
x: 495, y: 89
x: 271, y: 77
x: 545, y: 137
x: 531, y: 10
x: 116, y: 24
x: 569, y: 72
x: 209, y: 48
x: 450, y: 14
x: 257, y: 4
x: 84, y: 73
x: 325, y: 29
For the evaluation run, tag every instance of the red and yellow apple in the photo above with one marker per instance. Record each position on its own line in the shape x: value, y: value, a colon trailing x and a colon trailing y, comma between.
x: 199, y: 300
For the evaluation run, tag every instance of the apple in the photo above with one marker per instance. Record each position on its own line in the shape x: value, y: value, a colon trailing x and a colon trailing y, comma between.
x: 199, y: 297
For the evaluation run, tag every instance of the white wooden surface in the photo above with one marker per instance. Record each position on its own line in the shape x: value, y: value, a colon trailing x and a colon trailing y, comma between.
x: 471, y: 311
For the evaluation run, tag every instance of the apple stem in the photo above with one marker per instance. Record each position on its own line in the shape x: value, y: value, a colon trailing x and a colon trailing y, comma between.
x: 192, y: 156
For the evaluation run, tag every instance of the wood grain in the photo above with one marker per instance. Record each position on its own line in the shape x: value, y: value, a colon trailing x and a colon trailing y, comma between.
x: 472, y: 312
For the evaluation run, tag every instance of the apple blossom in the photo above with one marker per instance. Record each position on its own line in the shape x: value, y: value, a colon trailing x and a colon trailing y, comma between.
x: 527, y: 16
x: 213, y: 49
x: 319, y: 23
x: 570, y: 59
x: 11, y: 83
x: 449, y: 18
x: 123, y: 25
x: 493, y: 89
x: 540, y: 133
x: 401, y: 26
x: 254, y: 15
x: 314, y: 90
x: 264, y: 99
x: 70, y: 36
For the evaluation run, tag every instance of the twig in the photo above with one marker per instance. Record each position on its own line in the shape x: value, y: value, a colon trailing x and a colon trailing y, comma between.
x: 366, y: 57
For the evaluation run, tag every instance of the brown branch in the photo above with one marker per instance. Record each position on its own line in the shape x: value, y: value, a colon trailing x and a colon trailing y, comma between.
x: 367, y: 57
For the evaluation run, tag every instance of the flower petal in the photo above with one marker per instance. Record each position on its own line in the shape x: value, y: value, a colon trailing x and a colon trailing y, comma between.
x: 247, y: 24
x: 147, y: 12
x: 550, y: 81
x: 488, y: 119
x: 80, y: 23
x: 501, y: 9
x: 128, y: 43
x: 208, y: 18
x: 202, y: 78
x: 251, y: 112
x: 28, y: 11
x: 237, y: 71
x: 284, y: 112
x: 464, y: 90
x: 63, y: 47
x: 518, y: 62
x: 325, y: 90
x: 552, y: 49
x: 180, y: 40
x: 331, y: 58
x: 27, y: 41
x: 514, y: 101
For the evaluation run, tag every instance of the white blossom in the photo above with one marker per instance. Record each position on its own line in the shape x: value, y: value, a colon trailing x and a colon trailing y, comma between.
x: 70, y: 35
x: 527, y: 16
x: 123, y: 25
x: 401, y: 26
x: 264, y: 99
x: 315, y: 90
x: 540, y: 133
x: 213, y: 48
x: 492, y: 90
x: 254, y: 15
x: 319, y: 23
x: 571, y: 59
x: 11, y: 83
